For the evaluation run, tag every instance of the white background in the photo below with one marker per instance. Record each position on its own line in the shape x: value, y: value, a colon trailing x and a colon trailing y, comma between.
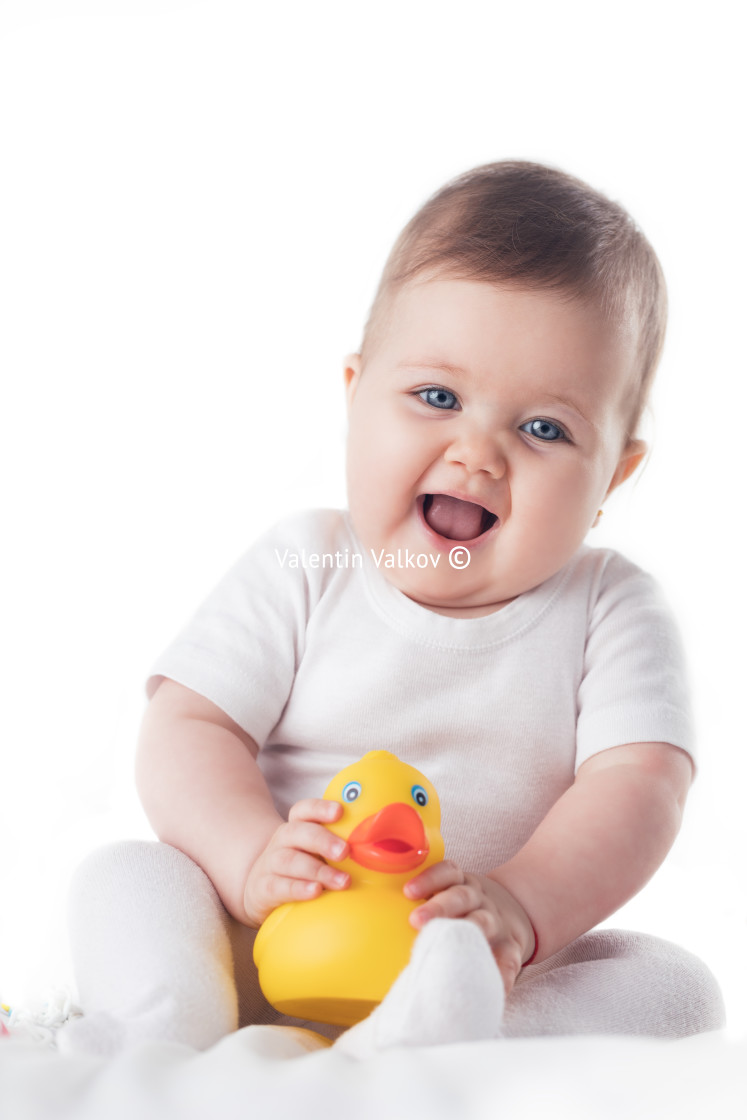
x: 196, y: 200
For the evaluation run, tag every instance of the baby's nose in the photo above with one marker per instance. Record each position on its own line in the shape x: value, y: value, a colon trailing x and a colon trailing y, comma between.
x: 477, y: 451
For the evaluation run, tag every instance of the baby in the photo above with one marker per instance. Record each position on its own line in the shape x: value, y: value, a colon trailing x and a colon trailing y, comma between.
x: 455, y: 616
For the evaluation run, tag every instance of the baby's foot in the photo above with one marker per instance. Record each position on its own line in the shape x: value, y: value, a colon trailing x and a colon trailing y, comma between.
x: 451, y: 991
x: 102, y: 1034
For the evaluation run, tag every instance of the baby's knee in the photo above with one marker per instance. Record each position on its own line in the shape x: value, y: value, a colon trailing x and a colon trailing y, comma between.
x: 687, y: 988
x: 134, y: 869
x: 694, y: 987
x: 115, y: 857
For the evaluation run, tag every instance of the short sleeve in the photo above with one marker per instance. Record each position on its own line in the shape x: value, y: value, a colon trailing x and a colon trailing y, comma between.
x: 242, y: 647
x: 634, y: 687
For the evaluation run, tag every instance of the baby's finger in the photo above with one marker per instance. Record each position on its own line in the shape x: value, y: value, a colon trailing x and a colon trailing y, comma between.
x: 456, y: 902
x: 437, y: 878
x: 487, y: 921
x: 279, y: 889
x: 315, y: 809
x: 508, y: 958
x: 306, y: 836
x: 290, y: 863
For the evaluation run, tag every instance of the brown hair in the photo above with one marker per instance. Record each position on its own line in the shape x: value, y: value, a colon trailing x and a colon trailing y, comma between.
x: 536, y: 227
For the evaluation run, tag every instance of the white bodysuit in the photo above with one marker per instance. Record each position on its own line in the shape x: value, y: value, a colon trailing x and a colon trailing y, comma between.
x: 319, y: 658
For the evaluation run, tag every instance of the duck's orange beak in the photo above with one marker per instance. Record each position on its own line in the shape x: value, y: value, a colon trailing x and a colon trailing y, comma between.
x: 391, y: 840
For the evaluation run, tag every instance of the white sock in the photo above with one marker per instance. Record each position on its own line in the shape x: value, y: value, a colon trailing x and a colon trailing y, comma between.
x: 151, y: 951
x: 451, y: 991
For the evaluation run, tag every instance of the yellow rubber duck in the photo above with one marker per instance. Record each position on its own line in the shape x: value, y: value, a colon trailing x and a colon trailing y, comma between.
x: 334, y: 958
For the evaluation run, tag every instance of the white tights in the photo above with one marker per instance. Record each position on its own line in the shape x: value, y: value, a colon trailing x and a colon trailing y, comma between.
x: 157, y: 956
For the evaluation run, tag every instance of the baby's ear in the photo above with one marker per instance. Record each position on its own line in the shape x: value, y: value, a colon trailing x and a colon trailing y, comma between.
x: 352, y: 373
x: 631, y: 458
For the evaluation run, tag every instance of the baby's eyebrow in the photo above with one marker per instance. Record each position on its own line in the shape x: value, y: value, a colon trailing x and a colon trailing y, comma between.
x: 558, y: 399
x: 434, y: 367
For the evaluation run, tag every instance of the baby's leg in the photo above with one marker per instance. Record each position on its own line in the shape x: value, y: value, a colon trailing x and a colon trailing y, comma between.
x: 151, y: 951
x: 615, y: 982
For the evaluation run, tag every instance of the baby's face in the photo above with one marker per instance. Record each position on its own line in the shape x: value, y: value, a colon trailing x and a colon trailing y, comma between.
x: 490, y: 420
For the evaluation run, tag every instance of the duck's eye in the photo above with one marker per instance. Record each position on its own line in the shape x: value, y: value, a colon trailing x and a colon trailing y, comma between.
x: 351, y: 791
x: 419, y: 796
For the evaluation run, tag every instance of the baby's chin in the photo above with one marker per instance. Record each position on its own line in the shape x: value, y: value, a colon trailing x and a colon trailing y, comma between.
x: 442, y: 601
x: 476, y: 611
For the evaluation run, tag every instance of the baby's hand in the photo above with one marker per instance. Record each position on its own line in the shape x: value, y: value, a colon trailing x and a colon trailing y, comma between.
x: 453, y: 893
x: 292, y: 867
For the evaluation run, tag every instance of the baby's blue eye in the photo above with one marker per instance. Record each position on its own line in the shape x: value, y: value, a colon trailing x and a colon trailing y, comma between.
x: 439, y: 398
x: 544, y: 430
x: 351, y: 791
x: 419, y: 796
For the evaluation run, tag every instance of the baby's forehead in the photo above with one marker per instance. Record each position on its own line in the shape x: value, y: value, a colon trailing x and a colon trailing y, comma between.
x: 427, y: 305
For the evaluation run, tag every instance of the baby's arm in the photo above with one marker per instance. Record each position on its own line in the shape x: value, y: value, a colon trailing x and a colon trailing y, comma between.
x: 204, y: 793
x: 601, y: 841
x: 598, y: 845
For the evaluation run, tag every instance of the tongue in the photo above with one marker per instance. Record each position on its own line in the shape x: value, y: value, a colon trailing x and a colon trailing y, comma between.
x: 453, y: 518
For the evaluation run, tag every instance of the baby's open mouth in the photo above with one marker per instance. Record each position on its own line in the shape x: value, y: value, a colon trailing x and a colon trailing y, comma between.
x: 454, y: 519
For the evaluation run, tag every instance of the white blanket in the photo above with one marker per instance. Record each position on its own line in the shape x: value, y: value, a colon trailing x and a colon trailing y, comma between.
x: 256, y: 1073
